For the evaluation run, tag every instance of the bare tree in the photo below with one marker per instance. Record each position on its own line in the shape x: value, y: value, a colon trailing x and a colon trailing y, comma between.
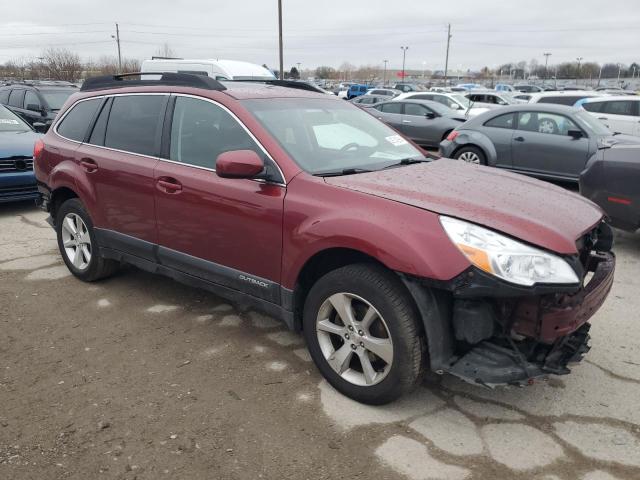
x: 62, y: 64
x: 165, y: 51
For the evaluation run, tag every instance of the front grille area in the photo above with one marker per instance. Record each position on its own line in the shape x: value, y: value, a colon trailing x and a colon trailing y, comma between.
x: 16, y: 164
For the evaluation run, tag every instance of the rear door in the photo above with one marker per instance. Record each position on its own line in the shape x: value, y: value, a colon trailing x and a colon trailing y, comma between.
x: 227, y: 231
x: 542, y: 145
x: 500, y: 131
x: 390, y: 113
x: 119, y: 158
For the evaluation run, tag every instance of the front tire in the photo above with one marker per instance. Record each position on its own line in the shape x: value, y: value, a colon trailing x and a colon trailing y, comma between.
x: 363, y: 332
x: 78, y: 245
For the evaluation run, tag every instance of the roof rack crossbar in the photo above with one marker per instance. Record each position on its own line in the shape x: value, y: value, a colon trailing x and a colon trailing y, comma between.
x: 166, y: 78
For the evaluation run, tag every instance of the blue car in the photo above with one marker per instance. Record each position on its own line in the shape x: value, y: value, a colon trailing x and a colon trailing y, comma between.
x: 356, y: 91
x: 17, y: 138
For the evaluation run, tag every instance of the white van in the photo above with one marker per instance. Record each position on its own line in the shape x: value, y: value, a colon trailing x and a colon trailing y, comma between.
x: 218, y: 69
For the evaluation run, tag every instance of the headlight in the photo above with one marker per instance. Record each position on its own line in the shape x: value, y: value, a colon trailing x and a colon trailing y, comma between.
x: 505, y: 258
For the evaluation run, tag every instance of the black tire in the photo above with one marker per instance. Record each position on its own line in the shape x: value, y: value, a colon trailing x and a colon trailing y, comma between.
x: 98, y: 267
x: 385, y: 292
x: 482, y: 158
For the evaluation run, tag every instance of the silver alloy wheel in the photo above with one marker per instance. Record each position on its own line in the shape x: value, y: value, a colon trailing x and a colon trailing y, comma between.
x: 354, y: 339
x: 76, y: 241
x: 469, y: 157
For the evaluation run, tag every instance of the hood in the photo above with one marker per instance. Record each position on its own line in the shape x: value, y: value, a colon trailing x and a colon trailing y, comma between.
x: 17, y: 143
x: 608, y: 141
x: 527, y: 209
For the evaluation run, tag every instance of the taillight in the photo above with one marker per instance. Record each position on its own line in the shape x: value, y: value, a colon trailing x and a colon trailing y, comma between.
x: 38, y: 148
x: 452, y: 136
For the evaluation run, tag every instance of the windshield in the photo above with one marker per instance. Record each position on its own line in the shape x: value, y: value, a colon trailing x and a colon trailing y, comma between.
x: 327, y: 135
x: 9, y: 122
x: 586, y: 120
x: 462, y: 100
x: 56, y: 98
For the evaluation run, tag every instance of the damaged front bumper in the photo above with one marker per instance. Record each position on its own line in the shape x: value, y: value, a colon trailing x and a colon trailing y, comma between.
x: 510, y: 336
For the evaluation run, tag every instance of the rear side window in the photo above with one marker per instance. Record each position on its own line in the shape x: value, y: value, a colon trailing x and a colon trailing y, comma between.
x: 15, y: 98
x: 502, y: 121
x: 100, y: 128
x: 4, y: 96
x: 394, y: 107
x: 561, y: 100
x: 619, y: 107
x: 74, y: 125
x: 133, y: 123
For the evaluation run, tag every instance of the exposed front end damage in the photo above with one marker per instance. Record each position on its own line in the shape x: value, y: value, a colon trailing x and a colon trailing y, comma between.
x: 487, y: 332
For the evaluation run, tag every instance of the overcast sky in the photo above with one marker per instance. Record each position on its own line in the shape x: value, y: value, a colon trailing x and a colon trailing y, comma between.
x: 330, y: 32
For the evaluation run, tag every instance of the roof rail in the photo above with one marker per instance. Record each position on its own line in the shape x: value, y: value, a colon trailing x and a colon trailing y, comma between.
x: 300, y: 85
x: 166, y: 78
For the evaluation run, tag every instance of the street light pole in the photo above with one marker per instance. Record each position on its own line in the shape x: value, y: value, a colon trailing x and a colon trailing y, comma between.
x: 280, y: 38
x: 117, y: 39
x: 546, y: 64
x: 384, y: 75
x: 404, y: 56
x: 579, y: 59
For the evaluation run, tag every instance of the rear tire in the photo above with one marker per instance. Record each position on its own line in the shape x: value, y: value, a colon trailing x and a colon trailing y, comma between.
x: 78, y: 244
x: 471, y: 154
x: 382, y: 357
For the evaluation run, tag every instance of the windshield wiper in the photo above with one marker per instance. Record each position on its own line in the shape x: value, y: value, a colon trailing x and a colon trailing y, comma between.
x: 344, y: 171
x: 406, y: 161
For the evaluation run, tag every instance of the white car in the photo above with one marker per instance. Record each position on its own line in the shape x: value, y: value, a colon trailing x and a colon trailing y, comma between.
x: 343, y: 90
x: 387, y: 92
x: 218, y: 69
x: 454, y: 101
x: 619, y: 114
x: 565, y: 97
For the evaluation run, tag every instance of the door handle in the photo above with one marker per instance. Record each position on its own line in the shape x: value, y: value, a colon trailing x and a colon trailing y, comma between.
x: 519, y: 139
x: 603, y: 118
x: 169, y: 185
x: 406, y: 121
x: 89, y: 164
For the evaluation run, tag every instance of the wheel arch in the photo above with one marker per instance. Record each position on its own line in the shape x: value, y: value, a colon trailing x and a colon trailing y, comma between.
x: 58, y: 197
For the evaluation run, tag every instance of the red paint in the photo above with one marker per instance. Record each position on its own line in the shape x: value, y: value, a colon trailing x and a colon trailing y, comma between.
x: 239, y: 164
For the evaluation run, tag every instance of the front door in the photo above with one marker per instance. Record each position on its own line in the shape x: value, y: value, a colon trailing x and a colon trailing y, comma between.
x: 391, y: 114
x: 422, y: 125
x: 541, y: 144
x: 227, y: 231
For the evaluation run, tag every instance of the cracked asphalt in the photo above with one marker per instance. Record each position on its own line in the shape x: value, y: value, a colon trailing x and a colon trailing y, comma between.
x: 141, y: 377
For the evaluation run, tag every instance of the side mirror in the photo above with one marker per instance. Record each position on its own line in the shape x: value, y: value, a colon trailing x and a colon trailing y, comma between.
x: 34, y: 107
x: 575, y: 134
x: 239, y: 164
x: 430, y: 115
x: 40, y: 127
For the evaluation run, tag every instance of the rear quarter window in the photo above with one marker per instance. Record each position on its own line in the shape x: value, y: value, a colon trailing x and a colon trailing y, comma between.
x: 76, y: 122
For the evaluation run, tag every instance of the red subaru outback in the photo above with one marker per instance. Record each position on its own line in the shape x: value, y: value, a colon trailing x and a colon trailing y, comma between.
x: 310, y: 209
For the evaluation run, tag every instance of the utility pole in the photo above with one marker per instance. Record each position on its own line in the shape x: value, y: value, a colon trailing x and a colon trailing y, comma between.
x: 280, y: 38
x: 384, y: 75
x: 117, y: 39
x: 446, y: 61
x: 579, y: 59
x: 546, y: 64
x: 404, y: 56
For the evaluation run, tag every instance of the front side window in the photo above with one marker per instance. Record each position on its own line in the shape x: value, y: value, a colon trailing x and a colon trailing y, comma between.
x: 31, y: 99
x: 201, y: 130
x: 133, y: 123
x: 329, y: 136
x: 415, y: 109
x: 74, y: 125
x: 618, y: 107
x: 543, y: 122
x: 56, y: 98
x: 501, y: 121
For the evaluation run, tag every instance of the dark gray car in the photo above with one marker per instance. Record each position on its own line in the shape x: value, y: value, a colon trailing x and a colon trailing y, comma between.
x: 425, y: 122
x: 611, y: 180
x: 542, y: 140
